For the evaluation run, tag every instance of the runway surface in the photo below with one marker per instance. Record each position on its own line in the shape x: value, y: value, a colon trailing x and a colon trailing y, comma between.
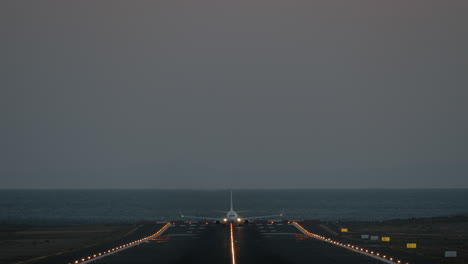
x: 182, y: 243
x: 264, y: 242
x: 283, y: 243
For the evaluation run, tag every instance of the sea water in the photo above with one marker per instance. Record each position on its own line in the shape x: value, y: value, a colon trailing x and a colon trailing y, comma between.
x: 131, y: 206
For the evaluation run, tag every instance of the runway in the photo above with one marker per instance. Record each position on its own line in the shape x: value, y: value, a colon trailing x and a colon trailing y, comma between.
x: 261, y: 242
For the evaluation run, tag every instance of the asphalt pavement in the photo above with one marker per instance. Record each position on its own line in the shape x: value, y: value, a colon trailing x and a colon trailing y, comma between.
x: 263, y: 242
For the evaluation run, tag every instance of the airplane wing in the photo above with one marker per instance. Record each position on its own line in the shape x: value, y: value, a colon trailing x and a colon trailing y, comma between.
x: 262, y: 216
x: 200, y: 217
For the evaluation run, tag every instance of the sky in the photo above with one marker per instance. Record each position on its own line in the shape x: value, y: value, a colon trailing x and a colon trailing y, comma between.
x: 234, y: 94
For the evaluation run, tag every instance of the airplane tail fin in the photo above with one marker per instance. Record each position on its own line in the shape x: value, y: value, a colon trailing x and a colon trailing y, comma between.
x: 231, y: 202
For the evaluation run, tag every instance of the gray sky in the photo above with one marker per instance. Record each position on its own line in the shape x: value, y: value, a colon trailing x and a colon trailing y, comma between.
x: 247, y: 93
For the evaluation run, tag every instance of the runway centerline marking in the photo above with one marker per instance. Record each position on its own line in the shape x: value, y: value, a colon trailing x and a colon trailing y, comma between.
x: 233, y: 252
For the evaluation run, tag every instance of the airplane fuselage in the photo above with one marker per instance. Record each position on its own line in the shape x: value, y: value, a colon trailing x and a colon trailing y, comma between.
x: 231, y: 216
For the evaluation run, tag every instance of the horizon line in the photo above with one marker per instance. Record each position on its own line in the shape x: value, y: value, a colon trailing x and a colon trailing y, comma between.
x: 244, y: 188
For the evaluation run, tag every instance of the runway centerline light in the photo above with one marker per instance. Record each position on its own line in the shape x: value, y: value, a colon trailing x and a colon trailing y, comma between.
x: 232, y: 244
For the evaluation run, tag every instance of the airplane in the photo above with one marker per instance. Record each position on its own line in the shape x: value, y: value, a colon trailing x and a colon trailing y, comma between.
x: 231, y: 216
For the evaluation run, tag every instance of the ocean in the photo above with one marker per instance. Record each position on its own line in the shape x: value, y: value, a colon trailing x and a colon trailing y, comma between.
x: 52, y: 207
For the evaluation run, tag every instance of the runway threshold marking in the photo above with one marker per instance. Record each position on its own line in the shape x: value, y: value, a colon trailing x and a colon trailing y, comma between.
x: 233, y: 252
x: 109, y: 252
x: 363, y: 251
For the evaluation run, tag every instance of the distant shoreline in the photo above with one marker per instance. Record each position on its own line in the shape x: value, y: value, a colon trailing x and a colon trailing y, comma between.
x: 234, y: 189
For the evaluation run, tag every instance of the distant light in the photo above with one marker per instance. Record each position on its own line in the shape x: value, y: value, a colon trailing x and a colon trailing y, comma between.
x: 225, y: 219
x: 238, y: 219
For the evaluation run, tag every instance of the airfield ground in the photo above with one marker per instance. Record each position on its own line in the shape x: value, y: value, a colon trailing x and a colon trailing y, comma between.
x: 209, y: 243
x: 433, y: 236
